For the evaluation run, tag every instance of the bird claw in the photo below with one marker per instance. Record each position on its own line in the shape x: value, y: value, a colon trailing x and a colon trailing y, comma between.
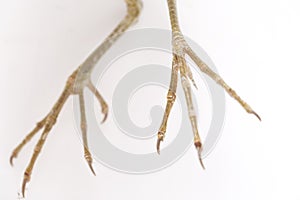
x: 25, y: 181
x: 100, y: 99
x: 11, y: 159
x: 158, y: 146
x: 160, y: 138
x: 256, y: 115
x: 105, y: 113
x: 199, y: 150
x: 91, y: 168
x: 23, y: 188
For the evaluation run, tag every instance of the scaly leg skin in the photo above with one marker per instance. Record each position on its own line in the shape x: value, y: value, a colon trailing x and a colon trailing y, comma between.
x: 76, y: 83
x: 171, y: 97
x: 180, y: 50
x: 83, y: 125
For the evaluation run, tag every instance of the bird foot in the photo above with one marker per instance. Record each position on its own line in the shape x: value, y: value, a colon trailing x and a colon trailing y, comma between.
x: 73, y: 87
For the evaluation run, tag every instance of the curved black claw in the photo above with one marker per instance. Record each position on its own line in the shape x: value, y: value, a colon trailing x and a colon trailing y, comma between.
x: 254, y: 113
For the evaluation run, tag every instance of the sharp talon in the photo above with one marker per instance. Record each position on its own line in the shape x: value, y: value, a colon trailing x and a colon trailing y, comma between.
x: 104, y: 118
x: 23, y: 187
x: 202, y: 164
x: 92, y: 169
x: 11, y: 160
x: 254, y: 113
x: 200, y: 157
x: 89, y: 160
x: 158, y: 146
x: 160, y: 138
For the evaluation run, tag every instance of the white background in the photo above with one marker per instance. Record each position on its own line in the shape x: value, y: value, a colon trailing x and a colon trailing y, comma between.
x: 254, y: 44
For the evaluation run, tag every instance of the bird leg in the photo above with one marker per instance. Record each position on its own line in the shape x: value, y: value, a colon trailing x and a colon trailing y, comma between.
x: 180, y: 50
x: 75, y: 85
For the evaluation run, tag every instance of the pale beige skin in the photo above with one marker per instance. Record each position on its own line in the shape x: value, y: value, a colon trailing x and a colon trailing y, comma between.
x: 180, y: 50
x: 80, y: 79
